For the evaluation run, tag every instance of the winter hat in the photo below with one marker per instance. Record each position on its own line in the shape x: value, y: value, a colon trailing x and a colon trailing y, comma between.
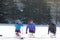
x: 53, y: 21
x: 30, y: 20
x: 18, y: 21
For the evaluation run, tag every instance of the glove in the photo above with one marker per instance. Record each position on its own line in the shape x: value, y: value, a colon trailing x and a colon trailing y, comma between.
x: 48, y: 32
x: 26, y: 32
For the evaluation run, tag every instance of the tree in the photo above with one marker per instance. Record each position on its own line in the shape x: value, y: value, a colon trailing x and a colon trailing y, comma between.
x: 37, y: 10
x: 8, y: 9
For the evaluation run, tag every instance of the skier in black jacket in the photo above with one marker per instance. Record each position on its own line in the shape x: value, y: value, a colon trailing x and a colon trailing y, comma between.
x: 52, y: 28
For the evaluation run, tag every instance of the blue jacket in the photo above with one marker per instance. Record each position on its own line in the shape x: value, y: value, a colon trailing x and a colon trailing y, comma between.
x: 30, y: 26
x: 18, y: 26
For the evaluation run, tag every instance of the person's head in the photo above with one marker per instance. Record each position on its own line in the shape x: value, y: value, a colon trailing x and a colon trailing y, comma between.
x: 31, y: 21
x: 18, y: 21
x: 53, y: 21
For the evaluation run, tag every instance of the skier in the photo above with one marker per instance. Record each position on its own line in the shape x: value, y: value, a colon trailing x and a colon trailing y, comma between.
x: 18, y: 26
x: 52, y: 29
x: 31, y: 27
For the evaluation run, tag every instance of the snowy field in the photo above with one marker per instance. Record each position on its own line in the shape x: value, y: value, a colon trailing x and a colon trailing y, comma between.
x: 8, y: 33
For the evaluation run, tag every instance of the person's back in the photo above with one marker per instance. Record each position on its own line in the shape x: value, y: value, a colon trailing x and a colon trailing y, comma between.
x: 52, y: 29
x: 18, y: 26
x: 31, y: 27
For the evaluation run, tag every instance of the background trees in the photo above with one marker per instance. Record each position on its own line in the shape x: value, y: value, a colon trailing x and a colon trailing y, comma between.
x: 37, y: 10
x: 33, y: 9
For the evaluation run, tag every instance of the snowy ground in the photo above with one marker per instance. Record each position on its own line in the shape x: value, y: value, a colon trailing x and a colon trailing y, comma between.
x: 8, y: 32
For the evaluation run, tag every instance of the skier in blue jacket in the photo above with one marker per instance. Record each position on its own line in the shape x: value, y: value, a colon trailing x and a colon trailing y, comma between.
x: 18, y: 26
x: 31, y: 27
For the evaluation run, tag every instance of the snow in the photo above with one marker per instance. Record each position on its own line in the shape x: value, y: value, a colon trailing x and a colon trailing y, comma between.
x: 8, y: 32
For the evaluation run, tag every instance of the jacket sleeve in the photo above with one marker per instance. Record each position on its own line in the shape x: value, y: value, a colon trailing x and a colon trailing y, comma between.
x: 34, y: 27
x: 48, y: 29
x: 22, y: 25
x: 15, y: 25
x: 27, y: 28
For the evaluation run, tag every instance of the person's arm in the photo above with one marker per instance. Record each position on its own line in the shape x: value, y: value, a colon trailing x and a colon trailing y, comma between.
x: 48, y: 29
x: 22, y: 24
x: 27, y: 28
x: 55, y: 28
x: 34, y: 27
x: 15, y: 25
